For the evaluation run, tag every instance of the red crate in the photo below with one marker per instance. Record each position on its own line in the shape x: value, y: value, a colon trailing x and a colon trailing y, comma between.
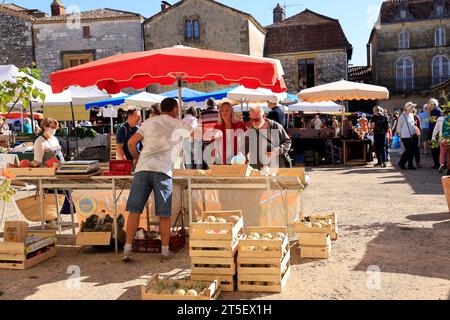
x: 119, y: 168
x: 176, y: 243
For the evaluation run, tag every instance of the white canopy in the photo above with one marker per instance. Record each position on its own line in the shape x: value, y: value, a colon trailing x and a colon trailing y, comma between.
x: 255, y: 95
x: 144, y: 100
x: 344, y: 90
x: 317, y: 107
x: 76, y: 95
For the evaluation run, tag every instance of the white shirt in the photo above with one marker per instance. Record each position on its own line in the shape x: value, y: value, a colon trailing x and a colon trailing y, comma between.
x: 405, y: 126
x: 162, y: 137
x: 318, y: 123
x: 438, y: 127
x: 42, y: 145
x: 190, y: 121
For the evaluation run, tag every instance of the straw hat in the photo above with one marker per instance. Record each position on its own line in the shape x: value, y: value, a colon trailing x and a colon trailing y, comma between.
x: 409, y: 106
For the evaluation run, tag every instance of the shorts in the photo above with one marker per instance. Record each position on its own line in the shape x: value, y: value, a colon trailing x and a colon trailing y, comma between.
x: 426, y: 134
x: 144, y: 183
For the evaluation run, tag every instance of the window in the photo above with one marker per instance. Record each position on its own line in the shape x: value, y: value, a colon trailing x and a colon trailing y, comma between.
x: 306, y: 74
x: 191, y: 28
x: 404, y: 74
x: 76, y: 59
x: 86, y: 32
x: 440, y: 69
x: 440, y: 38
x: 403, y: 13
x: 440, y: 10
x: 404, y: 40
x: 196, y: 29
x: 188, y: 29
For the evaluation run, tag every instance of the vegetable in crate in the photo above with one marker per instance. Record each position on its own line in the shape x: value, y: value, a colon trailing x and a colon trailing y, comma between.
x: 192, y: 293
x: 234, y: 219
x: 221, y: 220
x: 211, y: 219
x: 179, y: 292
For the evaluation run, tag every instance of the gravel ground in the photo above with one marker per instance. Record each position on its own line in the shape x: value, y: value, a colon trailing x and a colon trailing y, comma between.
x: 393, y: 244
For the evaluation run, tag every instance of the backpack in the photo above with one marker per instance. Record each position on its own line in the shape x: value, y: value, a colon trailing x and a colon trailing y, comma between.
x: 382, y: 124
x: 446, y: 128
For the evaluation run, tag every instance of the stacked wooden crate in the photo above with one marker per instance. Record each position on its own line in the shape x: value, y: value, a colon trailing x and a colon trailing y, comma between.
x: 315, y: 234
x: 38, y: 247
x: 113, y: 148
x: 264, y: 263
x: 213, y: 247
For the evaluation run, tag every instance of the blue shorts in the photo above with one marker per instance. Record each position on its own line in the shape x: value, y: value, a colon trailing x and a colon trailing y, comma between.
x: 144, y: 183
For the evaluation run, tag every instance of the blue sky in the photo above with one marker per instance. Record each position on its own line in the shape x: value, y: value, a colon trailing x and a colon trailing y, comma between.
x: 356, y: 16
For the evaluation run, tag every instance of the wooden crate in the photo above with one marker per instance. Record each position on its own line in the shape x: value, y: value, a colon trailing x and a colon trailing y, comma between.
x: 14, y: 255
x: 315, y: 252
x: 301, y: 228
x: 190, y: 173
x: 330, y: 218
x: 212, y: 248
x: 264, y: 267
x: 313, y: 239
x: 263, y: 283
x: 236, y: 170
x: 227, y: 282
x: 213, y: 290
x: 33, y: 172
x: 230, y: 231
x: 93, y: 238
x: 263, y: 248
x: 213, y: 266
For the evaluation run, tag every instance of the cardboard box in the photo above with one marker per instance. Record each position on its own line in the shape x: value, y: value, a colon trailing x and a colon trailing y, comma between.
x: 15, y: 231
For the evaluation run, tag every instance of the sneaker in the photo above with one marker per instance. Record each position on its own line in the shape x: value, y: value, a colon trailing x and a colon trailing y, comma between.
x: 127, y: 256
x: 166, y: 258
x: 441, y: 169
x: 383, y: 165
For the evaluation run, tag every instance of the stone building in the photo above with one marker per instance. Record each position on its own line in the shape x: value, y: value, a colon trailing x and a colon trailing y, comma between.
x: 312, y: 48
x: 204, y: 24
x: 16, y: 35
x: 408, y: 48
x: 66, y: 40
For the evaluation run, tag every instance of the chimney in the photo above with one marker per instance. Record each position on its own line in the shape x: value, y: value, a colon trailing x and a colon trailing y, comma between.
x: 278, y: 14
x: 57, y: 8
x: 165, y: 5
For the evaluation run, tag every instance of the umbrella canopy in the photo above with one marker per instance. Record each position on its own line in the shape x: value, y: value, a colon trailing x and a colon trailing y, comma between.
x: 18, y: 115
x: 166, y: 66
x: 255, y: 95
x: 118, y: 101
x: 318, y: 107
x: 144, y: 99
x: 344, y: 90
x: 185, y: 93
x: 10, y: 73
x: 217, y: 95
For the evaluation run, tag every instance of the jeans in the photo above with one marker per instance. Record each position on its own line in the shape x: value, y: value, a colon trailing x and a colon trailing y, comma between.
x: 408, y: 155
x: 380, y: 147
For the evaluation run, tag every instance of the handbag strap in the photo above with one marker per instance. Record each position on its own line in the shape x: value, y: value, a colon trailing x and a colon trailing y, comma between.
x: 407, y: 124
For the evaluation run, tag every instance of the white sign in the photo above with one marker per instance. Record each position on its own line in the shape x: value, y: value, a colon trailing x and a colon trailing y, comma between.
x: 6, y: 159
x: 110, y: 113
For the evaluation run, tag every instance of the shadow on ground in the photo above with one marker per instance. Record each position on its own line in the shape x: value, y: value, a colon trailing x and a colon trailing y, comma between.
x: 390, y: 250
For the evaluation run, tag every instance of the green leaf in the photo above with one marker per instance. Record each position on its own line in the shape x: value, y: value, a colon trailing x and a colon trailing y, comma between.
x: 35, y: 93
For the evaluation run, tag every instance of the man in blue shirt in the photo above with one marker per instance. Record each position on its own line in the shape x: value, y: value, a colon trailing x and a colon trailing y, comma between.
x: 424, y: 117
x: 435, y: 113
x: 125, y: 132
x: 276, y: 114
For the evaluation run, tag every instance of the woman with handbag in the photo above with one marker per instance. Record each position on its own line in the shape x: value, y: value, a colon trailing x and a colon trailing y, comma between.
x: 416, y: 141
x: 407, y: 132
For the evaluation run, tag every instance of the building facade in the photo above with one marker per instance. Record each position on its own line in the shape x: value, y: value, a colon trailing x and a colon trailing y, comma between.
x: 67, y: 40
x: 16, y: 34
x: 409, y: 48
x: 312, y: 48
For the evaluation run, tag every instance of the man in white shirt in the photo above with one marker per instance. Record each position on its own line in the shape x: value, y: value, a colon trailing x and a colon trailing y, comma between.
x: 318, y: 124
x: 161, y: 137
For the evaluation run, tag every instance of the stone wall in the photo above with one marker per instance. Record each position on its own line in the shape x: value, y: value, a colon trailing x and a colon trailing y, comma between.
x: 421, y: 50
x: 16, y: 41
x: 221, y: 29
x: 107, y: 38
x: 330, y: 66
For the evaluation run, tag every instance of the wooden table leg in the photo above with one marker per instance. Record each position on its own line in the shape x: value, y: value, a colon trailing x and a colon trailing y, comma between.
x: 116, y: 228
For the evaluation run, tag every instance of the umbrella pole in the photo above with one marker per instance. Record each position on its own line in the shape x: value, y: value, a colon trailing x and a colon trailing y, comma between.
x: 21, y: 118
x: 75, y: 130
x: 180, y: 97
x: 32, y: 117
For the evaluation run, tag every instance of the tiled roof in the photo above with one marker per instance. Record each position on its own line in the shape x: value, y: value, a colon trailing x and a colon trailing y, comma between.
x: 13, y: 6
x: 418, y: 9
x: 97, y: 14
x: 17, y: 11
x: 306, y: 31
